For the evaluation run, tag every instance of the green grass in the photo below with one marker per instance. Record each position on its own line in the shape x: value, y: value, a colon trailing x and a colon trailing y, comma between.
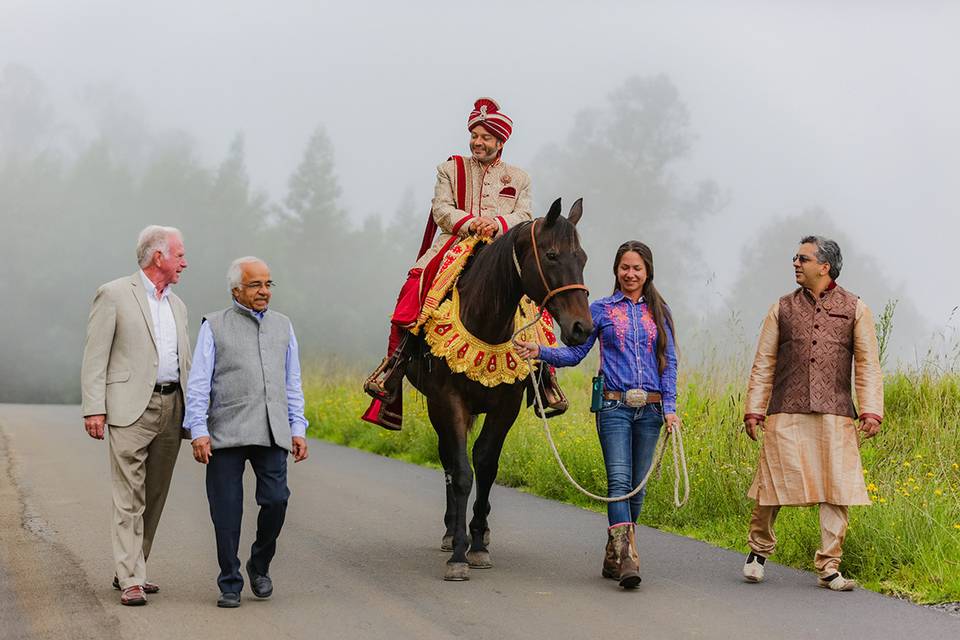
x: 907, y: 543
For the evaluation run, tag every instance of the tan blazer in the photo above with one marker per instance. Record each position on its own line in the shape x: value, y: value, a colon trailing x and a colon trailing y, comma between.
x: 120, y: 354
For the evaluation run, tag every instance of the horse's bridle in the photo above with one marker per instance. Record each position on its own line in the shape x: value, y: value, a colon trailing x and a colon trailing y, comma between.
x: 546, y: 287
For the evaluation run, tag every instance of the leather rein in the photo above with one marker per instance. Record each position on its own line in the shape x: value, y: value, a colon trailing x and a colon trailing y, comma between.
x: 546, y: 287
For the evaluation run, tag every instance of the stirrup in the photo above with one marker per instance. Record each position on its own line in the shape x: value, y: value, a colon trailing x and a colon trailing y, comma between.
x: 387, y: 379
x: 373, y: 385
x: 555, y: 401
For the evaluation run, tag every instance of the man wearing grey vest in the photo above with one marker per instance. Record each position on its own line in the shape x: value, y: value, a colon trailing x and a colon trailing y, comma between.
x: 245, y: 402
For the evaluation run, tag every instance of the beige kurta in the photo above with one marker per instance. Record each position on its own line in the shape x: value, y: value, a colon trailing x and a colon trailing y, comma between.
x: 809, y: 458
x: 500, y: 191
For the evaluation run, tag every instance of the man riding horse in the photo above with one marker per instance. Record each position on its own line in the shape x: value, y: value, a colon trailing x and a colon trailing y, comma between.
x: 479, y: 195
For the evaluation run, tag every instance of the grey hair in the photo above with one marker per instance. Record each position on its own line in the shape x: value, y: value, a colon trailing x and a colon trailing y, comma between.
x: 235, y: 272
x: 152, y: 239
x: 828, y: 251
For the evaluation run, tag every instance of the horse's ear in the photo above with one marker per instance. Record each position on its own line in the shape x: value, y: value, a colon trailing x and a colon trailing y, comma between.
x: 576, y: 211
x: 554, y: 213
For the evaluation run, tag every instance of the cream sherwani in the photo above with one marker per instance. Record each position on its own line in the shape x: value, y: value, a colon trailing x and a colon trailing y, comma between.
x: 500, y: 191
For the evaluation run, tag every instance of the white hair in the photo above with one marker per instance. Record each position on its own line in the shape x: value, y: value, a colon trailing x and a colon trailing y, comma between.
x: 152, y: 239
x: 235, y: 272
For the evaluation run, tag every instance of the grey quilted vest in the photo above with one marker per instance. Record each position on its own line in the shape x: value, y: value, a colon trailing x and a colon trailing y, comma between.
x: 248, y: 394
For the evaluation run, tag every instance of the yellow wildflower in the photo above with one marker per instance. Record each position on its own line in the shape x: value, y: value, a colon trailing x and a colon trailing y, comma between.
x: 910, y: 480
x: 956, y: 466
x: 956, y: 526
x: 906, y: 463
x: 883, y: 500
x: 938, y: 492
x: 918, y: 456
x: 871, y: 487
x: 929, y: 474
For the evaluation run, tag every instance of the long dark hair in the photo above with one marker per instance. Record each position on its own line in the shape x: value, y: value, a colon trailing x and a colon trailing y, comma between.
x: 658, y: 308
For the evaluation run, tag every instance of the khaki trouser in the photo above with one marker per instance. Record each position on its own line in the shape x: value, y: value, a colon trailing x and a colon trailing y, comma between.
x: 833, y: 528
x: 142, y: 457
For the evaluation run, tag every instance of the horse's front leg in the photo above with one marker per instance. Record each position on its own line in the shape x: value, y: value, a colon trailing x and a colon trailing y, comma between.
x: 451, y: 423
x: 450, y: 513
x: 486, y: 462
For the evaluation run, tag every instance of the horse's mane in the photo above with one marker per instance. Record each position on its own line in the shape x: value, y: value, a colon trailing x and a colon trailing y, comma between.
x: 492, y: 266
x: 490, y: 269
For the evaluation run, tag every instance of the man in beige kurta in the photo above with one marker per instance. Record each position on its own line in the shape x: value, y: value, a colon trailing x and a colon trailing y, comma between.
x: 814, y: 343
x: 136, y: 355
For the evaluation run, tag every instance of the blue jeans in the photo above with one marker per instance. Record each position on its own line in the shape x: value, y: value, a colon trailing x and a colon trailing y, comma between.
x: 628, y: 438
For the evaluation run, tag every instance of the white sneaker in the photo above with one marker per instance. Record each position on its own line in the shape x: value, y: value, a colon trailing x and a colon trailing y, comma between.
x: 837, y: 582
x: 752, y: 569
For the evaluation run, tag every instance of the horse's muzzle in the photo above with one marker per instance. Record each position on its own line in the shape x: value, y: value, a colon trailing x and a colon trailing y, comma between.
x: 577, y: 333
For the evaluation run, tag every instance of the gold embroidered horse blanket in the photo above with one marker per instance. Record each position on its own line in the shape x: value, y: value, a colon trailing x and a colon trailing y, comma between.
x: 488, y: 364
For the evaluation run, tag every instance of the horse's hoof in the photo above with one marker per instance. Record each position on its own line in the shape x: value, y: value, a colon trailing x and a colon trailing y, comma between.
x: 446, y: 544
x: 457, y: 572
x: 479, y: 559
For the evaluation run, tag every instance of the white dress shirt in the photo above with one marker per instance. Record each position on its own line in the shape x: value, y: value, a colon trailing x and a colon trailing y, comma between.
x: 164, y: 332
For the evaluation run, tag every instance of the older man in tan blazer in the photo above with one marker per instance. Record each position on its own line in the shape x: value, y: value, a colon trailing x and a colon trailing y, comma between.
x: 136, y: 355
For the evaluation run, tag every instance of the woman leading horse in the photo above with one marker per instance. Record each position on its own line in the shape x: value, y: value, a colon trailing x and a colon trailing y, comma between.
x: 638, y: 363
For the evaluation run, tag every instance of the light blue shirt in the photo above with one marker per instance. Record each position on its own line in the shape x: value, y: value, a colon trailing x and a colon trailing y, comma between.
x: 201, y: 377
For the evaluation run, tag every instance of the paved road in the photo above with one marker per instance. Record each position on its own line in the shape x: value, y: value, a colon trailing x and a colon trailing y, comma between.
x: 359, y: 558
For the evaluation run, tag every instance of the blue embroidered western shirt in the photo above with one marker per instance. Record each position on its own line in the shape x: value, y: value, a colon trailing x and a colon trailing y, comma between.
x: 628, y: 349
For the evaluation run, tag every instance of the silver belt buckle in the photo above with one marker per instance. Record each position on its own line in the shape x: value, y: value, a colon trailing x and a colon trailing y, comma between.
x: 635, y: 397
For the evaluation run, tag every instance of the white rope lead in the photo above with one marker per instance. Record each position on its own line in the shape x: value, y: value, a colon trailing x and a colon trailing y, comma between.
x: 674, y: 435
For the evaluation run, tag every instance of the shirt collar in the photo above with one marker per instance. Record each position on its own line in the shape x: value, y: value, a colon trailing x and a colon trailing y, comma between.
x: 618, y: 296
x: 256, y: 314
x: 823, y: 294
x: 493, y: 164
x: 152, y: 288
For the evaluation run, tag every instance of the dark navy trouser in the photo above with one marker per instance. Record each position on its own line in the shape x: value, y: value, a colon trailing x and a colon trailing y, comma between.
x: 225, y: 494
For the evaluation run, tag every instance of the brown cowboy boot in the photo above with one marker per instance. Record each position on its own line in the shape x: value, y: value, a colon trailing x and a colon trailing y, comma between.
x: 611, y: 562
x: 624, y: 536
x: 385, y: 380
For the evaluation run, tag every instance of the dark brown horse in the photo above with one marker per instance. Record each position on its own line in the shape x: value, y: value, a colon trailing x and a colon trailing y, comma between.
x: 543, y: 260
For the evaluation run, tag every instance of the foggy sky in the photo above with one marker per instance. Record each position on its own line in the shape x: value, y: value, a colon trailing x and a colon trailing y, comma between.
x: 852, y: 106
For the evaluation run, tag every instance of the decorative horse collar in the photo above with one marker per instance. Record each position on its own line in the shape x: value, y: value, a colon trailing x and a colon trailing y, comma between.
x: 488, y: 364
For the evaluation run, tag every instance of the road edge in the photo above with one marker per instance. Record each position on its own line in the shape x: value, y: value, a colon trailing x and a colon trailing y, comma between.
x: 53, y: 596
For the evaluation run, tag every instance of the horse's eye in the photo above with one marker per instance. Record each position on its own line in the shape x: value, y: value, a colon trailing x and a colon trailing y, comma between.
x: 552, y: 255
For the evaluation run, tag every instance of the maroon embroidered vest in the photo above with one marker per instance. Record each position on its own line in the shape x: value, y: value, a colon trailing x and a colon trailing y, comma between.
x: 815, y: 354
